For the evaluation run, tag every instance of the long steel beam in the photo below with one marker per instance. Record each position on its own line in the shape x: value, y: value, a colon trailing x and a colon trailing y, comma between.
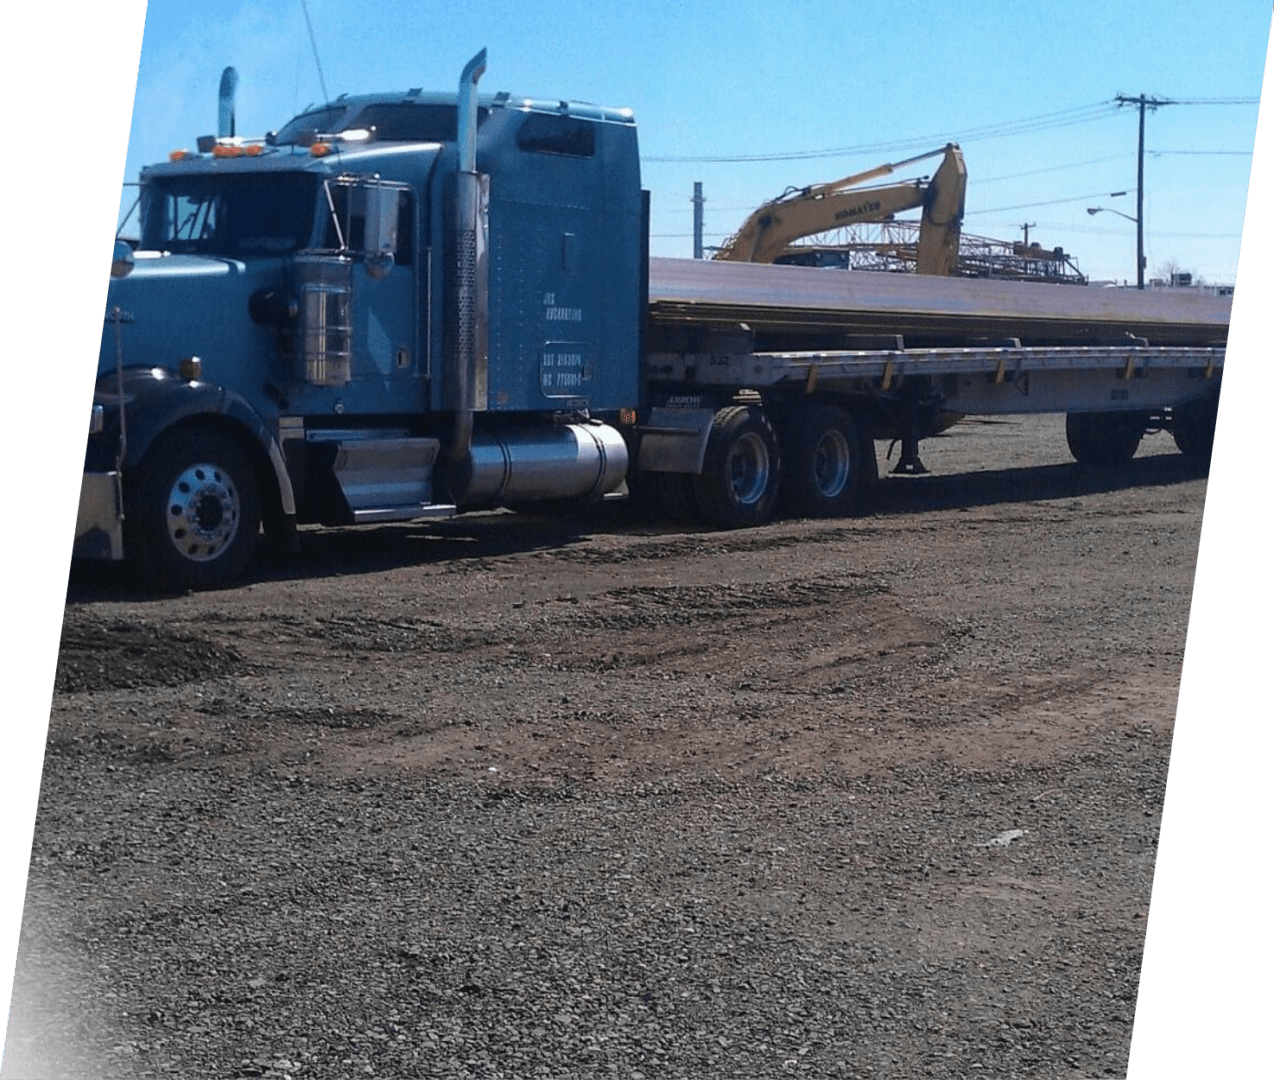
x: 797, y: 299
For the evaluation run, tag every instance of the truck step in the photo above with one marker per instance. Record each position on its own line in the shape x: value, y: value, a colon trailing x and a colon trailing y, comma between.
x: 389, y: 479
x: 414, y: 512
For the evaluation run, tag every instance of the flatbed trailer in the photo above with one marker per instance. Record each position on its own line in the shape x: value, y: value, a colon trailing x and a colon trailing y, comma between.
x: 832, y: 359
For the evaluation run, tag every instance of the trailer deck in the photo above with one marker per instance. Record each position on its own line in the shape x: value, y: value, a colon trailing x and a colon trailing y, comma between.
x: 983, y: 381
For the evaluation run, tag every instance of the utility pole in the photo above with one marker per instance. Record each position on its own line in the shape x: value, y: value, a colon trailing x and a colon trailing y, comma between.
x: 1142, y: 102
x: 1026, y: 233
x: 698, y: 201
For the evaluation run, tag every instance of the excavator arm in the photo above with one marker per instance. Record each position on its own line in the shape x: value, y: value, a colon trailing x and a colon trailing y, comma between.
x: 769, y: 231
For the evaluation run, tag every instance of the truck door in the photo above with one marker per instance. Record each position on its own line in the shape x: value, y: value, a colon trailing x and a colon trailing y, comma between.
x: 383, y: 317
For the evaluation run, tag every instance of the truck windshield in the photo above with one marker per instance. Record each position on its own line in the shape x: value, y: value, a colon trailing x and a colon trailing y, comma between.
x: 392, y: 121
x: 237, y: 215
x: 294, y: 132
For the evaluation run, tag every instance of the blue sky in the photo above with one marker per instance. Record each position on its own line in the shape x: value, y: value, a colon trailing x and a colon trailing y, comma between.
x: 1026, y: 89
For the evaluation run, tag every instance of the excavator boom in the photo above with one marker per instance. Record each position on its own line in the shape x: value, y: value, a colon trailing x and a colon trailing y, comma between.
x: 771, y: 228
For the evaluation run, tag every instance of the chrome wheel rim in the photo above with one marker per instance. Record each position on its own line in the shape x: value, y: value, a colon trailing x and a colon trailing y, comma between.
x: 202, y: 512
x: 831, y: 464
x: 749, y: 469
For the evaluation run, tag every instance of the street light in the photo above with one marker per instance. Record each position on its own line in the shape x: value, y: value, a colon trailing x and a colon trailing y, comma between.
x: 1108, y: 210
x: 1141, y: 258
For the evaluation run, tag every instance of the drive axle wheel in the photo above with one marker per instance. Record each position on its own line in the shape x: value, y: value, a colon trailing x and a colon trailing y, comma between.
x: 193, y: 517
x: 1104, y: 438
x: 820, y: 462
x: 740, y: 479
x: 668, y: 496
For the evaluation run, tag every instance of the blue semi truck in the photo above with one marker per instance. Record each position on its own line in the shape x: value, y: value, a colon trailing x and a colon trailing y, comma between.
x: 406, y: 306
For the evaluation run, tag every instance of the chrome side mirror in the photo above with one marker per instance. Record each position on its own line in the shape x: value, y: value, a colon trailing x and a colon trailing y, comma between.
x: 380, y: 233
x: 122, y: 261
x: 378, y: 264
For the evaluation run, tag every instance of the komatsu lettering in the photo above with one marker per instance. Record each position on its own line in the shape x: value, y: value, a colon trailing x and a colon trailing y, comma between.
x: 857, y: 211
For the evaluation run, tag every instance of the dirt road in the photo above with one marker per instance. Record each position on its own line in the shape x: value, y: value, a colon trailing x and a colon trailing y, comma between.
x: 580, y: 798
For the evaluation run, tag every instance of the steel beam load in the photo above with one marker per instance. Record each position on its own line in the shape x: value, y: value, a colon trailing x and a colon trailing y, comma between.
x: 793, y: 307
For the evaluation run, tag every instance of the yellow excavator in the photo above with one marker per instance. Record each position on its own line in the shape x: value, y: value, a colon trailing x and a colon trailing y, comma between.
x: 802, y: 212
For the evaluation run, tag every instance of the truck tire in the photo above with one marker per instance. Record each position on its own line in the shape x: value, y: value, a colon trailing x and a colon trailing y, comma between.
x: 821, y: 448
x: 1104, y: 438
x: 667, y: 497
x: 1194, y: 426
x: 193, y: 515
x: 739, y: 484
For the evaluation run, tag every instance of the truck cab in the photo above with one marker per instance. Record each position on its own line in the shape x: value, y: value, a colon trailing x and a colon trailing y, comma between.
x: 347, y: 321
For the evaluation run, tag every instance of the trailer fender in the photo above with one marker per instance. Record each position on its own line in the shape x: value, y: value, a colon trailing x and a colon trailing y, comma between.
x: 158, y: 399
x: 675, y: 440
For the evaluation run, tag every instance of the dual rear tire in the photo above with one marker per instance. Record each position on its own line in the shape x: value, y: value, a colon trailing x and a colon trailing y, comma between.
x: 1104, y: 438
x: 821, y: 455
x: 817, y: 459
x: 1194, y: 426
x: 739, y: 484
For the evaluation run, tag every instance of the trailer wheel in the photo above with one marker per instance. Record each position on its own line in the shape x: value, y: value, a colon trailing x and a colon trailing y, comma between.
x: 740, y: 480
x: 1194, y: 426
x: 1104, y: 438
x: 820, y: 462
x: 193, y: 517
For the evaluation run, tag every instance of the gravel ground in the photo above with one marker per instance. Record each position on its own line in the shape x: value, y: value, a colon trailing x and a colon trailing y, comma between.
x: 518, y: 797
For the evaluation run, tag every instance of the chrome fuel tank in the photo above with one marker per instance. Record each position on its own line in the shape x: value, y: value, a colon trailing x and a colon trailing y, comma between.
x: 565, y: 461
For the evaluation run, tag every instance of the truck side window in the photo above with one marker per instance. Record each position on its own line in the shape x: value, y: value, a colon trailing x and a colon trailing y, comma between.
x: 353, y: 222
x: 404, y: 122
x: 544, y: 134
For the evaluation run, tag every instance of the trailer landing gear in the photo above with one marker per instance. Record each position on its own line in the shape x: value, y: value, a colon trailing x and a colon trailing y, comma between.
x: 909, y: 463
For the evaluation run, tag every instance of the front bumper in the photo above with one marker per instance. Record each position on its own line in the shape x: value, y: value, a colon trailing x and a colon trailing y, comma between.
x: 99, y: 527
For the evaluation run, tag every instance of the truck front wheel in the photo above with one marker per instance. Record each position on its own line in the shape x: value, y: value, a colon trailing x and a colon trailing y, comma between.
x: 193, y: 516
x: 1104, y: 438
x: 739, y: 483
x: 820, y: 462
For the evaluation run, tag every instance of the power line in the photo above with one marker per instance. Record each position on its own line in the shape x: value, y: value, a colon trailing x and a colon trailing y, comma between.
x: 1047, y: 202
x: 1217, y: 101
x: 1051, y: 168
x: 1080, y: 114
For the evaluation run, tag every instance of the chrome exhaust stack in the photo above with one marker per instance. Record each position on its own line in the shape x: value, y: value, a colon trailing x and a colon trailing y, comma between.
x: 225, y: 103
x: 507, y: 465
x: 464, y: 383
